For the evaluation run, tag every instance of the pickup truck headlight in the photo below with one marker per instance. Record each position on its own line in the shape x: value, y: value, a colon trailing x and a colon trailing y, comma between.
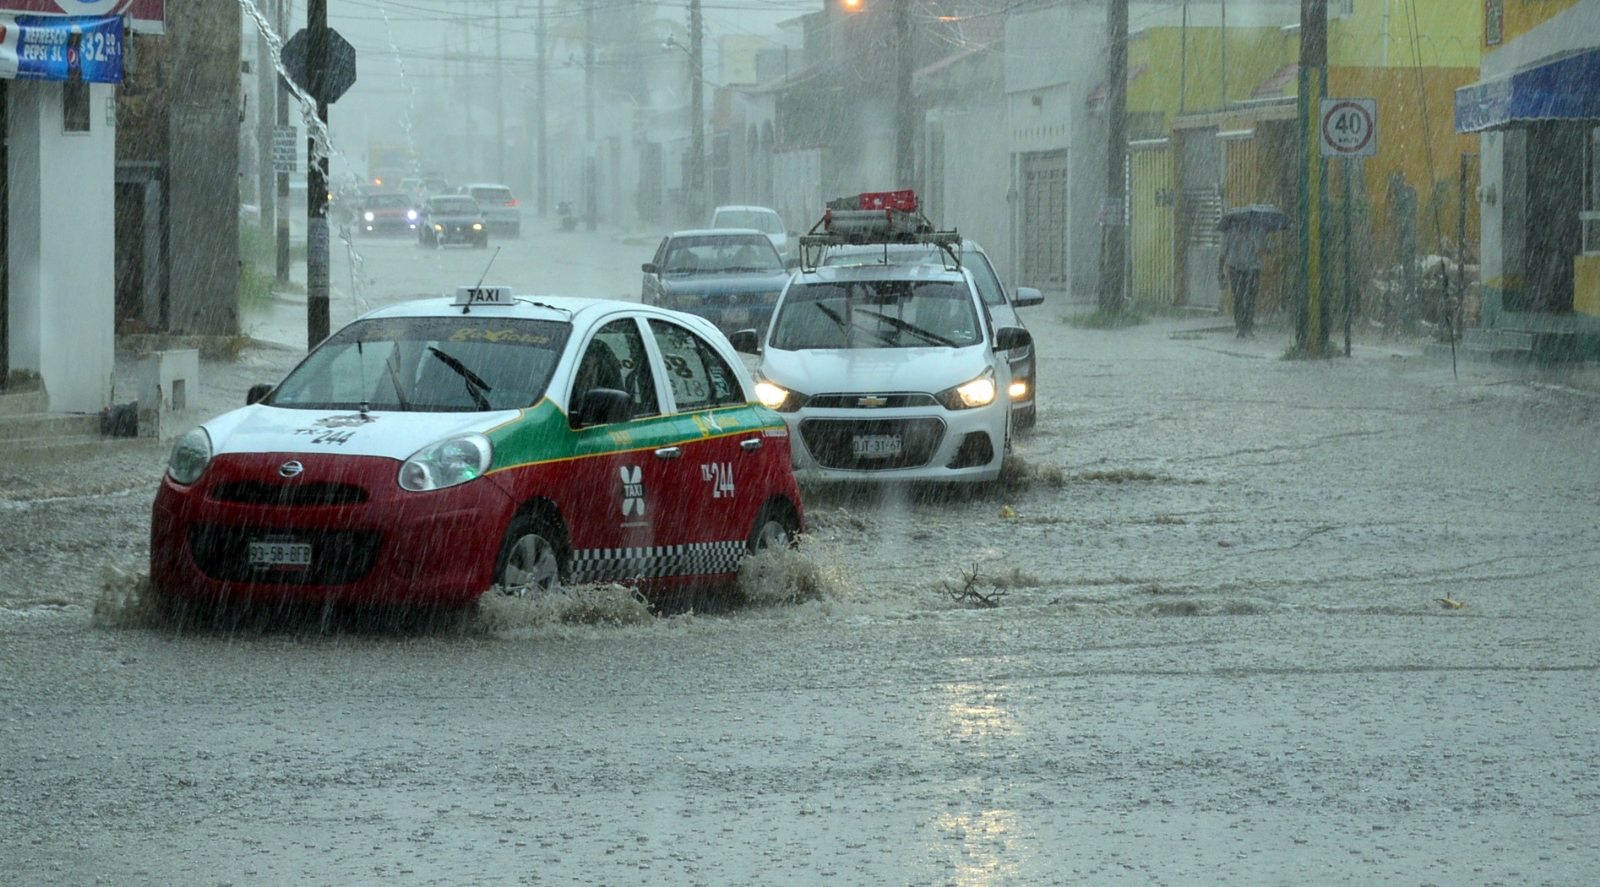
x: 190, y: 456
x: 979, y: 392
x: 454, y: 460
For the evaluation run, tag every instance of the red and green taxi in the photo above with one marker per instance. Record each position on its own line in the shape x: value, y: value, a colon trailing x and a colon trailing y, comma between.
x: 433, y: 449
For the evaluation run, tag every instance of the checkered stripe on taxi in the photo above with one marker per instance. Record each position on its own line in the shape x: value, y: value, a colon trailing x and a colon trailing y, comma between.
x: 656, y: 562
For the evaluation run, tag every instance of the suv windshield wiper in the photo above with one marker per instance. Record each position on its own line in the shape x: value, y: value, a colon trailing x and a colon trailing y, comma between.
x: 848, y: 328
x: 911, y: 328
x: 474, y: 383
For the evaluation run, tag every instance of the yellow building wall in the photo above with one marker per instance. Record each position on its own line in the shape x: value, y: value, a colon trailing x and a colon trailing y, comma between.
x: 1522, y: 16
x: 1379, y: 34
x: 1254, y: 54
x: 1586, y: 284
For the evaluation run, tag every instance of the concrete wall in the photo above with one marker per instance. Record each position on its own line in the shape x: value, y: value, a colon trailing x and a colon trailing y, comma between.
x: 977, y: 180
x: 62, y: 293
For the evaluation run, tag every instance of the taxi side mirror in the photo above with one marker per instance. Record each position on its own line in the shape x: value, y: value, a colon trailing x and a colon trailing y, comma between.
x: 1012, y: 337
x: 1027, y: 297
x: 257, y: 394
x: 648, y: 268
x: 603, y: 406
x: 745, y: 341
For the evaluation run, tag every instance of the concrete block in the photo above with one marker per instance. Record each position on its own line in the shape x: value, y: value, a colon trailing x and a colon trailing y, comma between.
x: 168, y: 382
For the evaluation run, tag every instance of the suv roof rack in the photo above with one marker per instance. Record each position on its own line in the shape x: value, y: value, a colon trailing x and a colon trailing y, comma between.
x: 873, y: 218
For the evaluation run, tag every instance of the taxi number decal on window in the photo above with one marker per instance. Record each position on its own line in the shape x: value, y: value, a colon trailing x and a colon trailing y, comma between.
x: 510, y: 337
x: 632, y: 490
x: 720, y: 476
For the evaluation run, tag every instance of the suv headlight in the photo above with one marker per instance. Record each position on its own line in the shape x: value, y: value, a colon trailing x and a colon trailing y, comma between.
x: 777, y: 397
x: 190, y: 456
x: 454, y: 460
x: 368, y: 216
x: 977, y: 393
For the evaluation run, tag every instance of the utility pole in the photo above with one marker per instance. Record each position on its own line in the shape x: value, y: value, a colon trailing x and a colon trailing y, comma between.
x: 1113, y: 224
x: 317, y: 313
x: 590, y: 165
x: 905, y: 109
x: 1311, y: 310
x: 544, y: 158
x: 266, y: 76
x: 697, y: 124
x: 499, y: 101
x: 283, y: 177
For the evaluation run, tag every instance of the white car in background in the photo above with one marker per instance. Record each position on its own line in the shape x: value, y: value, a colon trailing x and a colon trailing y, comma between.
x: 762, y: 219
x: 888, y: 373
x: 500, y: 211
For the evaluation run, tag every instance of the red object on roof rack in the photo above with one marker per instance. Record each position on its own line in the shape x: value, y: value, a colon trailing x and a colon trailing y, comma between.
x: 873, y: 217
x: 905, y: 201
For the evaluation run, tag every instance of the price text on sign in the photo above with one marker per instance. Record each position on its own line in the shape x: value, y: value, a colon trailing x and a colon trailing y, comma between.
x: 1349, y: 127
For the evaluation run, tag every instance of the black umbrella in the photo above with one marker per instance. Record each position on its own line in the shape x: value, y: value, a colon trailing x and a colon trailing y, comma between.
x: 1261, y: 216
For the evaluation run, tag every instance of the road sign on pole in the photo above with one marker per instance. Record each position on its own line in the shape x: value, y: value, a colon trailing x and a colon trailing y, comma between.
x: 1348, y: 127
x: 329, y: 83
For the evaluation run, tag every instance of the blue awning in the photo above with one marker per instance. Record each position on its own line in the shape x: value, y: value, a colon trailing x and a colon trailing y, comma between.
x: 1565, y: 89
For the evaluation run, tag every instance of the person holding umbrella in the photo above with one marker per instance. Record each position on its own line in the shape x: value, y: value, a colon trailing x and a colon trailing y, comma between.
x: 1246, y: 233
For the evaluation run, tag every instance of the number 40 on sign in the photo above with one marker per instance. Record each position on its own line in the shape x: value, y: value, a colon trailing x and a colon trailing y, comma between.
x: 1348, y: 127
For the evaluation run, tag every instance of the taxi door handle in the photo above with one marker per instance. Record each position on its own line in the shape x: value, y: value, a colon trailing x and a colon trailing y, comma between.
x: 751, y: 445
x: 669, y: 453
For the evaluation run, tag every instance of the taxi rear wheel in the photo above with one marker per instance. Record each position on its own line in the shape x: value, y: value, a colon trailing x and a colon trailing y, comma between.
x: 531, y: 561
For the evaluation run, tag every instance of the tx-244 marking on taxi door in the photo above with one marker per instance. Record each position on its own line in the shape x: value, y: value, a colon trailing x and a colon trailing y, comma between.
x: 720, y: 476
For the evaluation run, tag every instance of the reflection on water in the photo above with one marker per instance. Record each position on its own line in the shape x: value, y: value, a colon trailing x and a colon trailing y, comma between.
x: 977, y: 712
x: 987, y: 848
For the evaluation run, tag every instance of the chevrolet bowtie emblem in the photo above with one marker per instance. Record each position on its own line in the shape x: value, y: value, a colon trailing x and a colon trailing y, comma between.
x: 871, y: 401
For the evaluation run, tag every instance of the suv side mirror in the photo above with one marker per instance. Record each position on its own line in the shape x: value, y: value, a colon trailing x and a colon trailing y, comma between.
x: 1008, y: 338
x: 603, y: 406
x: 649, y: 268
x: 257, y: 394
x: 745, y: 341
x: 1027, y: 297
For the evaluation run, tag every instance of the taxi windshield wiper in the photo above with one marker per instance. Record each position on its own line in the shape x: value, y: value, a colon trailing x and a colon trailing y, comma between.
x: 911, y: 328
x: 475, y: 385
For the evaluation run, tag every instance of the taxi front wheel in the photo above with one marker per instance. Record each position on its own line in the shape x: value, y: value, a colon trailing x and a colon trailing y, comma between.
x: 530, y: 560
x: 776, y: 526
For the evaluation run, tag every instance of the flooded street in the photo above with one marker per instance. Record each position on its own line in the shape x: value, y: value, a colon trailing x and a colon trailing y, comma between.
x: 1256, y: 622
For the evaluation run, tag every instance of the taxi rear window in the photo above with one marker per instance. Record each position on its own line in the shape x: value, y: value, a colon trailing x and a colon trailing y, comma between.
x: 428, y: 364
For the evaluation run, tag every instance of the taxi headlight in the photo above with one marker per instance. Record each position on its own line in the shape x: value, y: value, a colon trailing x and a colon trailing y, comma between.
x: 368, y: 216
x: 477, y: 226
x: 777, y: 397
x: 977, y: 393
x: 454, y: 460
x: 190, y: 456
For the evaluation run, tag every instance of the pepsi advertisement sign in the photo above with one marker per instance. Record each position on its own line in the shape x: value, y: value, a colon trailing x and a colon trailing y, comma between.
x: 38, y: 47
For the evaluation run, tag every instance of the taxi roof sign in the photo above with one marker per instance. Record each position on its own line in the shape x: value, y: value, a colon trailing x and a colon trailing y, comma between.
x: 468, y: 296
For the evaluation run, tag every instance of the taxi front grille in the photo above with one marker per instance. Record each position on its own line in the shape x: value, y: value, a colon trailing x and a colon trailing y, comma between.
x: 288, y: 495
x: 832, y: 442
x: 886, y: 401
x: 338, y: 557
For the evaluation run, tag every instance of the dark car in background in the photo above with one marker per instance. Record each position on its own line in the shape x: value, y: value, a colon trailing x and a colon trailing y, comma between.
x: 1002, y: 306
x: 388, y: 212
x: 730, y: 277
x: 452, y: 218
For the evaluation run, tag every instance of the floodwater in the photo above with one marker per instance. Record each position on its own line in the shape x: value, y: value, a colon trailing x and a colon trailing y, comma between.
x: 1254, y: 622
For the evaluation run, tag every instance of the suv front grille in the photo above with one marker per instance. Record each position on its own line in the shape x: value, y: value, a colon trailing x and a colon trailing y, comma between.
x: 338, y: 557
x: 831, y: 442
x: 887, y: 401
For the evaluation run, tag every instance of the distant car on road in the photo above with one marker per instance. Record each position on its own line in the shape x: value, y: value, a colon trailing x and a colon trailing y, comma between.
x: 499, y: 205
x: 452, y: 218
x: 1002, y: 306
x: 730, y: 277
x: 762, y: 219
x: 434, y: 449
x: 390, y: 212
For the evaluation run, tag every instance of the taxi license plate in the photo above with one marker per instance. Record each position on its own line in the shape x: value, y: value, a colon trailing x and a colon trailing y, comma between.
x: 283, y: 555
x: 875, y: 446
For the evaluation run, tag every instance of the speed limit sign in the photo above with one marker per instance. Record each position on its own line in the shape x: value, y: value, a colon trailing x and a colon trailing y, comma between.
x: 1349, y: 127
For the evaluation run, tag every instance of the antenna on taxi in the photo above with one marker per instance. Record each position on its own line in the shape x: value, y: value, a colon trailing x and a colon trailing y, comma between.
x: 467, y: 308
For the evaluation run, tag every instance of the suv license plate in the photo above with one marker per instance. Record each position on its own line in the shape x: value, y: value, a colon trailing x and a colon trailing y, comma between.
x: 875, y: 446
x: 291, y: 555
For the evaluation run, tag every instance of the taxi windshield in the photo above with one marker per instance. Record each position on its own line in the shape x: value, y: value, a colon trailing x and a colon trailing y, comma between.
x: 428, y: 364
x: 876, y: 314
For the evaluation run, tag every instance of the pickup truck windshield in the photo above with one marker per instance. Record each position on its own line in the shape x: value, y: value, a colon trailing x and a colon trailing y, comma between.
x: 876, y: 314
x: 428, y: 364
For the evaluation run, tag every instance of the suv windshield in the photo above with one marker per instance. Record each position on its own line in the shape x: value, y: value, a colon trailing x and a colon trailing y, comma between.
x: 982, y: 272
x: 428, y: 364
x: 501, y: 196
x: 745, y: 218
x: 453, y: 205
x: 721, y: 254
x: 876, y: 314
x: 388, y: 201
